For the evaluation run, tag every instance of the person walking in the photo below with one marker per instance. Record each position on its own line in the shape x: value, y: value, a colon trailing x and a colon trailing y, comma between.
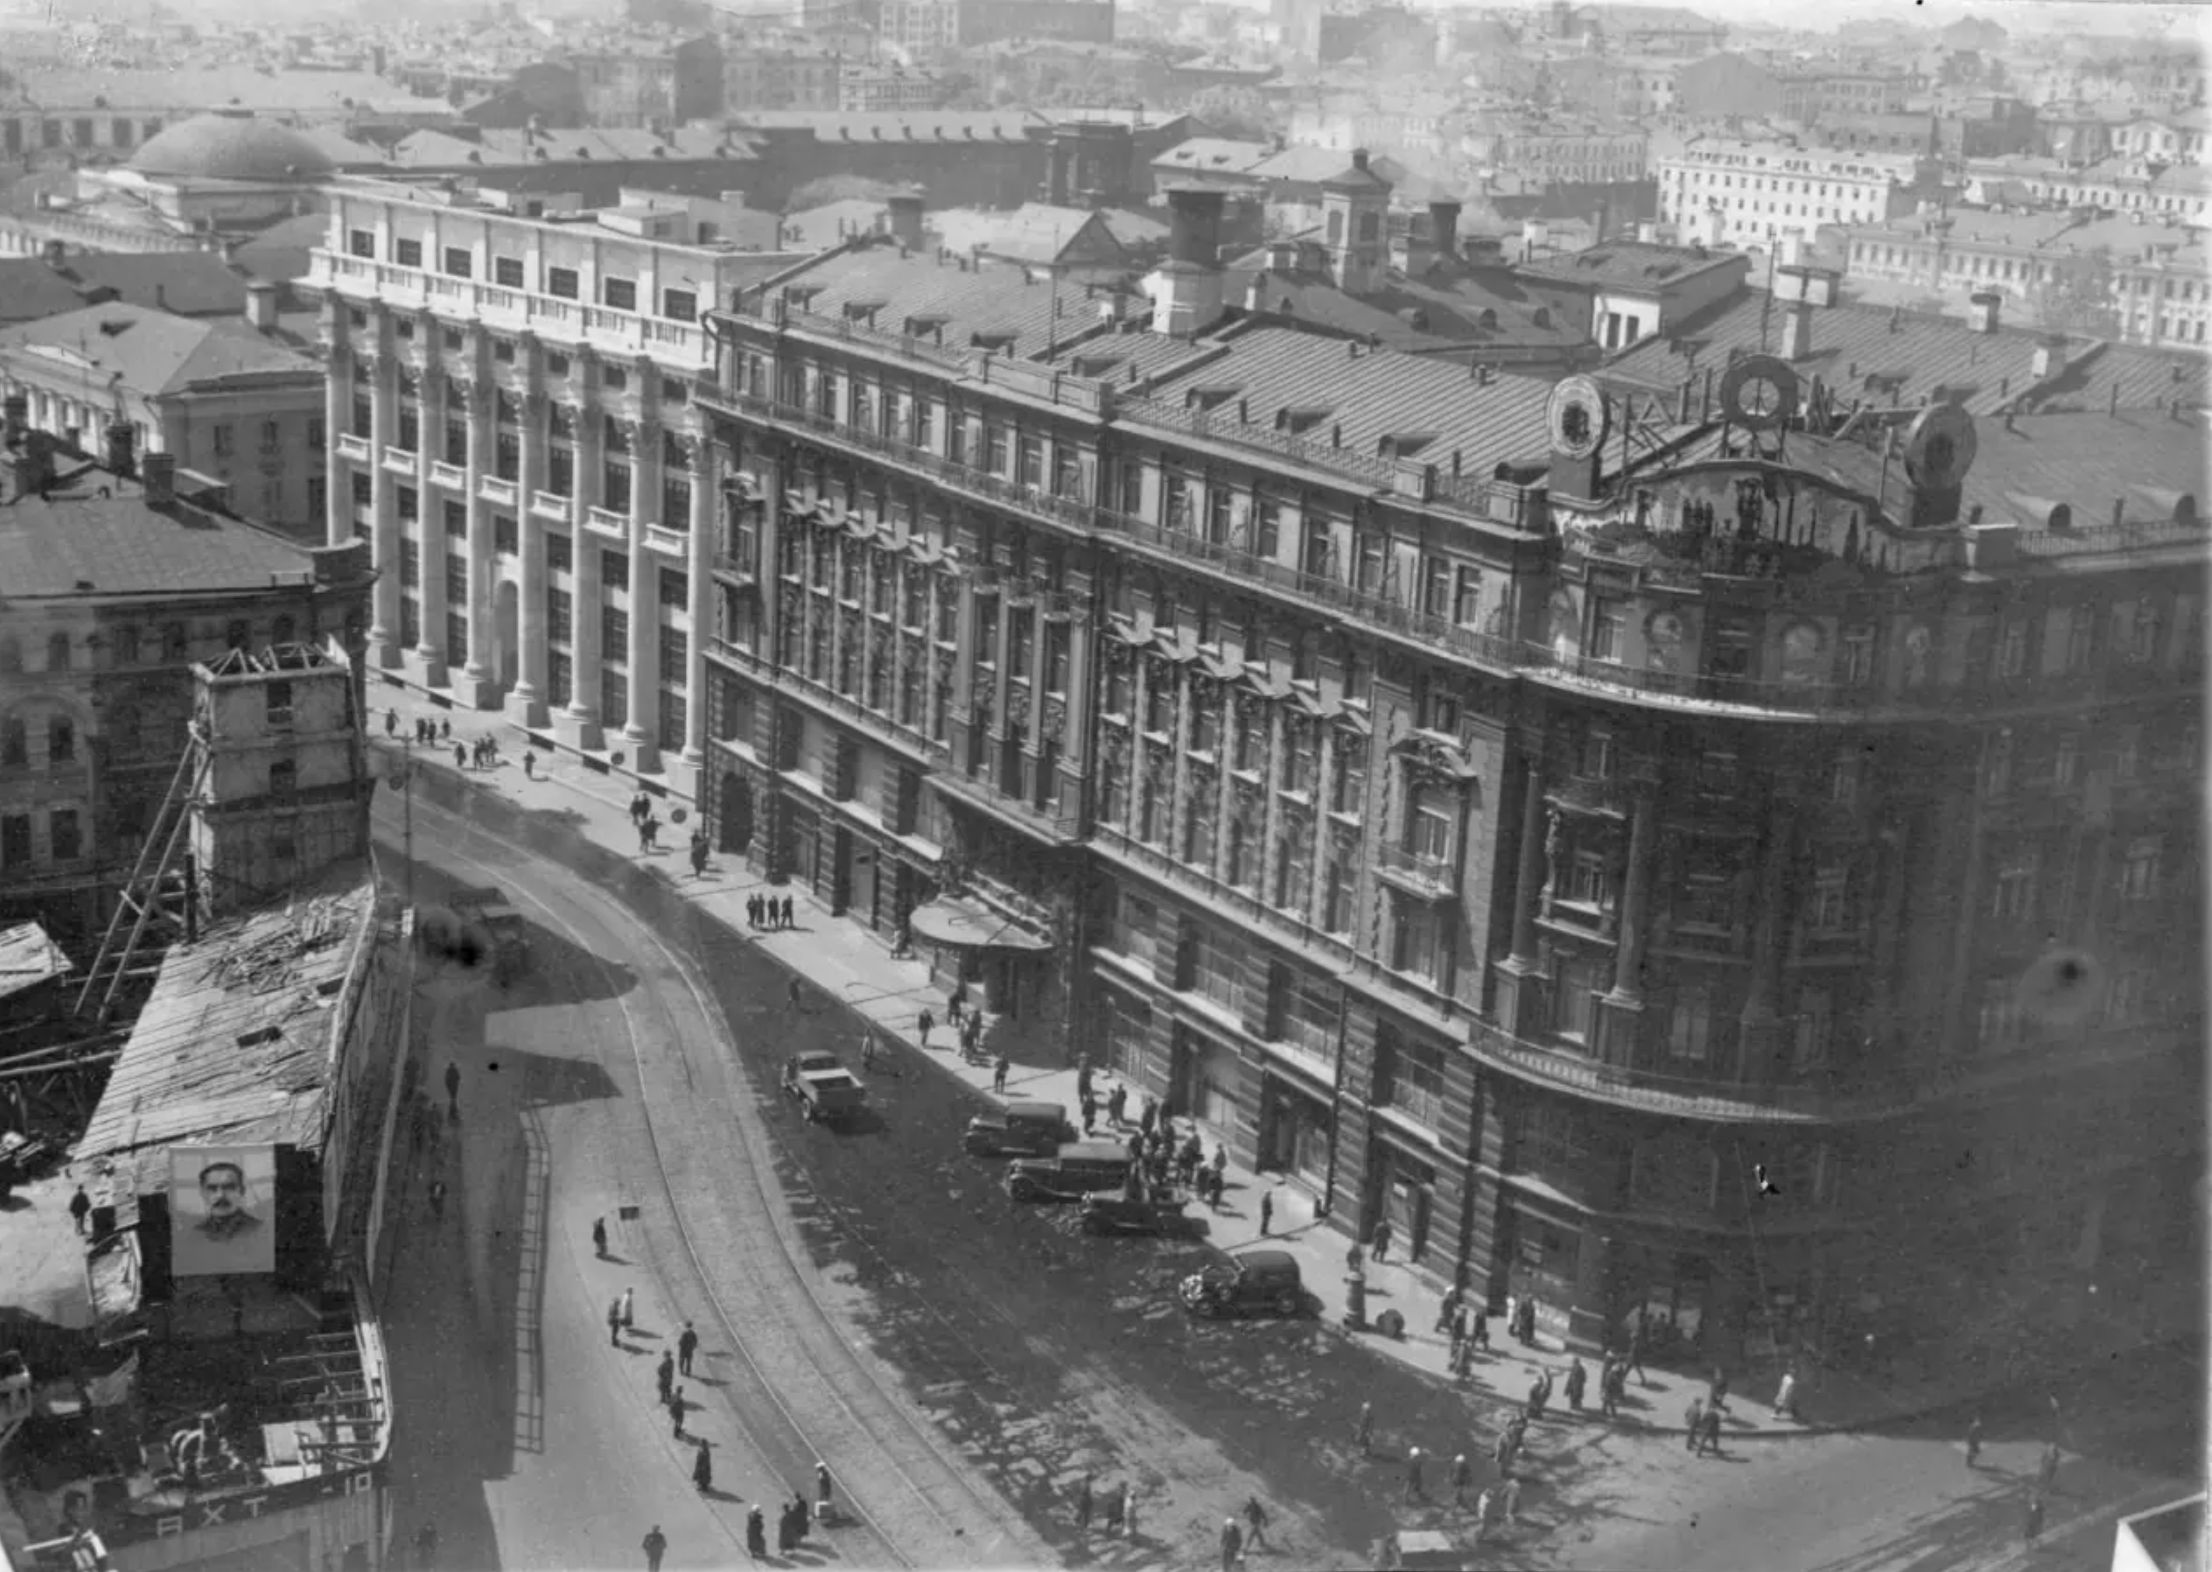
x: 687, y: 1344
x: 1416, y: 1484
x: 925, y: 1023
x: 80, y: 1208
x: 676, y: 1406
x: 453, y: 1088
x: 1364, y: 1432
x: 1381, y: 1238
x: 655, y: 1546
x: 599, y: 1237
x: 664, y: 1376
x: 1693, y: 1421
x: 1083, y: 1075
x: 1117, y: 1105
x: 437, y: 1200
x: 1129, y: 1508
x: 1089, y: 1106
x: 460, y: 757
x: 702, y: 1468
x: 1717, y: 1389
x: 529, y: 765
x: 1486, y: 1511
x: 1639, y: 1349
x: 698, y: 854
x: 1974, y: 1442
x: 1447, y: 1314
x: 1509, y: 1501
x: 999, y: 1071
x: 629, y: 1303
x: 1232, y: 1544
x: 2046, y: 1470
x: 1578, y: 1380
x: 752, y: 911
x: 1463, y: 1477
x: 445, y: 728
x: 2032, y: 1529
x: 1267, y: 1212
x: 1083, y: 1504
x: 788, y: 919
x: 1785, y: 1395
x: 756, y: 1532
x: 614, y: 1323
x: 821, y: 1492
x: 1712, y: 1432
x: 1255, y: 1520
x: 391, y: 722
x: 868, y: 1049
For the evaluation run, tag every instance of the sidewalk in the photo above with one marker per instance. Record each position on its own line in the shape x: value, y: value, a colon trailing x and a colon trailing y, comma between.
x: 854, y: 967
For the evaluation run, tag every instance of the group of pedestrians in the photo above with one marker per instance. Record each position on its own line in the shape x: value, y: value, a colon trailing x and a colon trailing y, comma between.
x: 427, y: 731
x: 1116, y: 1509
x: 1237, y: 1539
x: 647, y: 823
x: 766, y: 912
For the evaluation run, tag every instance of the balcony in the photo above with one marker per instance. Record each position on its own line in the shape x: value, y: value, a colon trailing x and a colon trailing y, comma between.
x: 549, y: 505
x: 452, y: 476
x: 496, y: 490
x: 668, y: 542
x: 1417, y: 873
x: 353, y: 447
x: 399, y: 462
x: 738, y: 570
x: 607, y: 522
x: 880, y: 728
x: 1061, y: 830
x: 1683, y: 1096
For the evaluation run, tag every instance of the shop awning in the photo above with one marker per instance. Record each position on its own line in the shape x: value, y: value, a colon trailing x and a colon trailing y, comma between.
x: 966, y: 925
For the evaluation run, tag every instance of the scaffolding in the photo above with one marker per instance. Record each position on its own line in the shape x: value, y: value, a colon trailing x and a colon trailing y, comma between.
x: 159, y: 902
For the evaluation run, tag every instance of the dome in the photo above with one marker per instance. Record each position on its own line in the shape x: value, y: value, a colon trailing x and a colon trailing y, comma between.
x: 231, y: 147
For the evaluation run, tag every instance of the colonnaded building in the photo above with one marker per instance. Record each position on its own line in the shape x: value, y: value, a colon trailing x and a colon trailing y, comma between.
x: 1521, y: 811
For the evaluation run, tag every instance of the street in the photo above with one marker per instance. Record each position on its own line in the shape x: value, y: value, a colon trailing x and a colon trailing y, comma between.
x: 873, y: 1298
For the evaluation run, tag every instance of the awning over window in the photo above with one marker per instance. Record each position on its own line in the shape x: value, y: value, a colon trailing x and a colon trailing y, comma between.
x: 966, y: 925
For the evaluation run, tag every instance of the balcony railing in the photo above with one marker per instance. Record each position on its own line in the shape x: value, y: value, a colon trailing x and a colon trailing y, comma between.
x: 450, y: 475
x: 1431, y: 876
x: 874, y: 724
x: 353, y: 447
x: 1704, y: 1097
x: 494, y: 489
x: 669, y: 542
x: 1065, y: 829
x: 605, y: 521
x: 742, y: 569
x: 549, y: 505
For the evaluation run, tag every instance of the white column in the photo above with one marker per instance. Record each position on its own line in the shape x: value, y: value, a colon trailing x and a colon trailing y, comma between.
x: 706, y: 511
x: 430, y: 651
x: 384, y: 628
x: 525, y: 702
x: 478, y: 684
x: 641, y: 733
x: 337, y: 418
x: 579, y: 724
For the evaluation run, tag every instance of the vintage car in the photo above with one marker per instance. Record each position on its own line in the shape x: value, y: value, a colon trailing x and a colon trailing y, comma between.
x: 1076, y: 1170
x: 1257, y: 1282
x: 1018, y: 1129
x: 826, y: 1092
x: 1119, y: 1214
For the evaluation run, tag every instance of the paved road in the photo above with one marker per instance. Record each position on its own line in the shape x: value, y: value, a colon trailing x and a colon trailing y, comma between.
x: 1038, y: 1355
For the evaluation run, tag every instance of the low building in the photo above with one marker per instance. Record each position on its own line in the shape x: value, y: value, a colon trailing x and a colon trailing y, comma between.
x: 1739, y: 193
x: 886, y: 90
x: 2175, y: 138
x: 183, y: 283
x: 1622, y: 292
x: 790, y: 76
x: 651, y: 87
x: 88, y: 112
x: 586, y: 167
x: 118, y: 573
x: 1637, y: 29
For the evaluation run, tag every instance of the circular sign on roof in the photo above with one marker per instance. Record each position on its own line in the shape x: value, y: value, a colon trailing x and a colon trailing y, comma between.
x: 1578, y: 418
x: 1940, y: 447
x: 1759, y: 392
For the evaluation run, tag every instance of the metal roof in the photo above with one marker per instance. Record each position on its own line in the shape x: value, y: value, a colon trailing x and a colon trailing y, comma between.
x: 151, y: 352
x: 75, y: 541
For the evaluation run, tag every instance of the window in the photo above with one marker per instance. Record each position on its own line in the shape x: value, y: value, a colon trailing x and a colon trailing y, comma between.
x: 222, y: 444
x: 2140, y: 870
x: 1730, y: 654
x: 458, y: 262
x: 407, y: 253
x: 679, y: 305
x: 614, y: 635
x: 507, y: 272
x: 1706, y: 900
x: 1608, y: 628
x: 1409, y: 1076
x: 15, y: 747
x: 614, y: 570
x: 361, y: 243
x: 1348, y: 791
x: 1830, y: 910
x: 15, y: 840
x: 1690, y: 1025
x: 562, y: 282
x: 1997, y: 1020
x: 1421, y: 945
x: 2081, y: 634
x: 614, y: 486
x: 619, y: 294
x: 1589, y: 880
x: 1429, y: 824
x: 57, y: 652
x: 2012, y: 648
x: 1467, y: 597
x: 68, y: 838
x: 1598, y: 754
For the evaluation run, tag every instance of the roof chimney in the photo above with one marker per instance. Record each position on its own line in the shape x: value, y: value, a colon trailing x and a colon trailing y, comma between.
x: 1984, y: 306
x: 158, y: 474
x: 122, y: 440
x: 1359, y: 158
x: 1444, y: 227
x: 56, y: 253
x: 1186, y: 289
x: 261, y: 305
x: 905, y: 211
x: 1797, y: 331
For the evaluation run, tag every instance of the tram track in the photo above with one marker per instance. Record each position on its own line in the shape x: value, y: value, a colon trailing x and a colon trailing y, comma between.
x: 934, y: 1514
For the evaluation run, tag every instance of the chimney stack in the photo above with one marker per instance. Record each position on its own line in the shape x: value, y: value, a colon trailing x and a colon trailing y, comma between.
x: 122, y: 441
x: 1797, y: 331
x: 1444, y: 227
x: 17, y: 407
x: 905, y: 211
x: 56, y: 254
x: 1985, y: 304
x: 261, y: 305
x: 1186, y: 289
x: 158, y: 474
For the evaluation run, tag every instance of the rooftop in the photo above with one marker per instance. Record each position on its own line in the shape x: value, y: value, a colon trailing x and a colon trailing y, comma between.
x: 188, y: 283
x: 947, y: 125
x: 1445, y: 304
x: 149, y: 352
x: 231, y: 147
x: 1629, y: 265
x: 28, y: 957
x: 95, y: 534
x: 327, y: 93
x: 1217, y: 155
x: 498, y: 148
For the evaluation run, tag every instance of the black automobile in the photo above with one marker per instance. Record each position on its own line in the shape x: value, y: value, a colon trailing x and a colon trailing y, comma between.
x: 1075, y: 1171
x: 1258, y: 1282
x: 1018, y: 1129
x: 1117, y: 1214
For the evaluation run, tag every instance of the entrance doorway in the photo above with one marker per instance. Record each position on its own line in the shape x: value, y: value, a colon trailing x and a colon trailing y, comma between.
x: 735, y: 812
x: 864, y: 868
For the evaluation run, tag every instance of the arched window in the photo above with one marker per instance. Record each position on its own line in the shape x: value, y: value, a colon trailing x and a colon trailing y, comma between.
x: 61, y: 740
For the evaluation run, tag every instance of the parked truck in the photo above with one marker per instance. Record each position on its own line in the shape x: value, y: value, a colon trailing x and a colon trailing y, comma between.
x: 826, y: 1092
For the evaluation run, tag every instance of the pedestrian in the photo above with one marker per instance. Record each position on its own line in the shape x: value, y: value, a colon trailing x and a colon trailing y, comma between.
x: 637, y: 807
x: 644, y: 834
x: 2046, y: 1471
x: 1486, y: 1511
x: 1785, y: 1396
x: 460, y: 757
x: 1117, y: 1104
x: 1693, y: 1421
x: 868, y: 1049
x: 1416, y: 1486
x: 686, y: 1346
x: 1974, y: 1442
x: 629, y: 1303
x: 756, y: 1532
x: 821, y: 1492
x: 1578, y: 1378
x: 391, y: 722
x: 664, y: 1376
x: 1463, y: 1476
x: 1255, y: 1518
x: 453, y: 1088
x: 426, y: 1546
x: 599, y: 1237
x: 1232, y: 1544
x: 952, y: 1008
x: 926, y: 1023
x: 1447, y: 1313
x: 1639, y: 1348
x: 80, y: 1208
x: 1718, y: 1389
x: 655, y: 1545
x: 676, y: 1406
x: 1364, y: 1434
x: 1382, y: 1240
x: 998, y: 1079
x: 1478, y: 1333
x: 529, y: 765
x: 1536, y: 1398
x: 1083, y: 1504
x: 1147, y: 1115
x: 2032, y: 1530
x: 1267, y: 1211
x: 752, y: 911
x: 614, y: 1323
x: 1129, y: 1508
x: 698, y: 854
x: 1090, y: 1109
x: 445, y: 728
x: 787, y: 918
x: 1610, y: 1389
x: 1509, y: 1501
x: 702, y: 1467
x: 437, y: 1200
x: 785, y: 1539
x: 1712, y: 1432
x: 1083, y: 1077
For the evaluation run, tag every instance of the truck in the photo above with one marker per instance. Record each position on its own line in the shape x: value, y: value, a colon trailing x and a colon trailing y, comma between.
x: 826, y: 1092
x: 489, y: 917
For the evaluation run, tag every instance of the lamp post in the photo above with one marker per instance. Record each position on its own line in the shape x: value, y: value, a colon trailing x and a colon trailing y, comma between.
x: 403, y: 777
